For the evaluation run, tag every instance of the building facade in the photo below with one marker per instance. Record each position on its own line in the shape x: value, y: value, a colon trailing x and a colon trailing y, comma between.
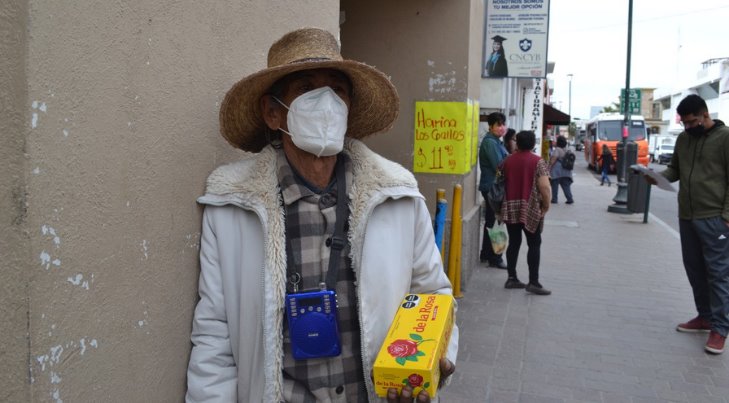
x: 711, y: 82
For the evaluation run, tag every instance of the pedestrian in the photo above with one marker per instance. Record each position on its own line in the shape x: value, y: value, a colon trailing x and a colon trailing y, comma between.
x: 287, y: 215
x: 527, y: 201
x: 510, y: 141
x: 491, y: 153
x: 700, y: 163
x: 607, y: 161
x: 560, y: 176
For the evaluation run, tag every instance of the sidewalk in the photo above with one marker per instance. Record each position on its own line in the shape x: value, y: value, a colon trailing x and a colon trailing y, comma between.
x: 606, y: 334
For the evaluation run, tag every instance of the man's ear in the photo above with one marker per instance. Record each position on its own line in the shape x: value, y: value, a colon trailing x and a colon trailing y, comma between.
x: 272, y: 112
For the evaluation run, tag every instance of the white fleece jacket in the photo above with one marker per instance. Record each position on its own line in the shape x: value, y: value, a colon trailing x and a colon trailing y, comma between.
x: 237, y: 329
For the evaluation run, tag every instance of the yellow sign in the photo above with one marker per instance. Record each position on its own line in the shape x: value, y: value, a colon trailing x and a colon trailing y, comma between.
x: 469, y: 129
x: 474, y: 138
x: 443, y: 137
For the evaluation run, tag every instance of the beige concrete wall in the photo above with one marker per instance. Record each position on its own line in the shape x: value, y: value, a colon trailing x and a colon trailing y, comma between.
x: 431, y: 49
x: 472, y: 229
x: 115, y: 105
x: 14, y: 253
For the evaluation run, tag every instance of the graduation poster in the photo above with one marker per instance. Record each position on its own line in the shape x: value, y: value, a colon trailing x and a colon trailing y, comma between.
x: 515, y: 39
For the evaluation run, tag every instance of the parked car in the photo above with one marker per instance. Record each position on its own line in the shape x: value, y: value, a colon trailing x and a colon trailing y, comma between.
x: 660, y: 144
x: 580, y: 141
x: 666, y: 154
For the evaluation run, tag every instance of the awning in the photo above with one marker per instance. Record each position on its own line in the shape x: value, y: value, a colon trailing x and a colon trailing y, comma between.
x: 553, y: 116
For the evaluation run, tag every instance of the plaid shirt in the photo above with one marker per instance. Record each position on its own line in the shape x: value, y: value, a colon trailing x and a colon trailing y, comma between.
x: 525, y: 208
x: 310, y: 219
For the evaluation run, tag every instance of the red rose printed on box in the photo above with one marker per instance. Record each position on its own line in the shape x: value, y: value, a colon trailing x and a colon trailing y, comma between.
x: 402, y: 348
x: 406, y: 350
x: 415, y: 381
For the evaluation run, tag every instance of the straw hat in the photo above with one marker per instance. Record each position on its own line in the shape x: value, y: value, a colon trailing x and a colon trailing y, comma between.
x: 374, y: 104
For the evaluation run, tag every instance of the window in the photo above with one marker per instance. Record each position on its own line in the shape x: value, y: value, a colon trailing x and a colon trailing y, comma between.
x: 613, y: 130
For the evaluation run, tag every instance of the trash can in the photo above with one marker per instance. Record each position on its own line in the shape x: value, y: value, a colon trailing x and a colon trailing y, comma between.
x: 637, y: 192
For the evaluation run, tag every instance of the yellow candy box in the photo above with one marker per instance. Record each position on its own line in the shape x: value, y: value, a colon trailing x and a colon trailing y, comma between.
x: 417, y: 339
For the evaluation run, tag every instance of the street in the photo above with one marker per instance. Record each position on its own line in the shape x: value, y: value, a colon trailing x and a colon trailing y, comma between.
x: 663, y: 204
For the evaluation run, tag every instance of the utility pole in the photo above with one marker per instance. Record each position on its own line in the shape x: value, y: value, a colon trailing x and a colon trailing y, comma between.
x: 621, y: 197
x: 626, y: 121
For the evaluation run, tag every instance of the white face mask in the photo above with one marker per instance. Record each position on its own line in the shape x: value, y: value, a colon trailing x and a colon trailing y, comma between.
x: 317, y: 122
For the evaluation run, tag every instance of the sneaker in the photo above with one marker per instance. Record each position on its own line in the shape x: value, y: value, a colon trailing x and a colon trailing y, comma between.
x: 537, y: 289
x: 570, y: 201
x: 498, y: 264
x: 554, y: 202
x: 695, y: 325
x: 715, y: 344
x: 512, y: 283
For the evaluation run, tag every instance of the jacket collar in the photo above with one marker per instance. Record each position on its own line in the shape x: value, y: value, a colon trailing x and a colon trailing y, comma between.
x: 253, y: 179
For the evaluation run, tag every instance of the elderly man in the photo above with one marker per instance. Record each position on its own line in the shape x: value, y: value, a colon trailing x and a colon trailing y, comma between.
x: 310, y: 208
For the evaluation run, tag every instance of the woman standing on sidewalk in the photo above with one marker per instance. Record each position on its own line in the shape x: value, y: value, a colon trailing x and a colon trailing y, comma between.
x: 526, y: 202
x: 510, y: 141
x: 607, y: 162
x: 560, y: 176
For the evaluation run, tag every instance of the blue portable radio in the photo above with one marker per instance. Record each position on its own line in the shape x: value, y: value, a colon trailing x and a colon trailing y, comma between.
x: 313, y: 326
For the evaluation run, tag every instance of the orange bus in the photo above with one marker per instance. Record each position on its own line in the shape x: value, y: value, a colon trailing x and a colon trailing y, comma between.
x: 607, y: 128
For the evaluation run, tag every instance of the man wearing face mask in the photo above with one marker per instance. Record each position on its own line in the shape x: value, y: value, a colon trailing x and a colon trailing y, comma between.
x: 701, y: 163
x: 309, y: 220
x: 491, y: 153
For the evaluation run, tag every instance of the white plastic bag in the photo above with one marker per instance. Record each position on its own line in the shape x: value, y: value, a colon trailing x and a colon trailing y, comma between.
x: 499, y: 238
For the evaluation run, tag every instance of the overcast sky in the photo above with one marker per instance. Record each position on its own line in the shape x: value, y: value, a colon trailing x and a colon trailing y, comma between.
x: 670, y: 40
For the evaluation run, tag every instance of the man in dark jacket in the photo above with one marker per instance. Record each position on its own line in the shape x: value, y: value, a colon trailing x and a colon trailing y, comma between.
x: 701, y: 163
